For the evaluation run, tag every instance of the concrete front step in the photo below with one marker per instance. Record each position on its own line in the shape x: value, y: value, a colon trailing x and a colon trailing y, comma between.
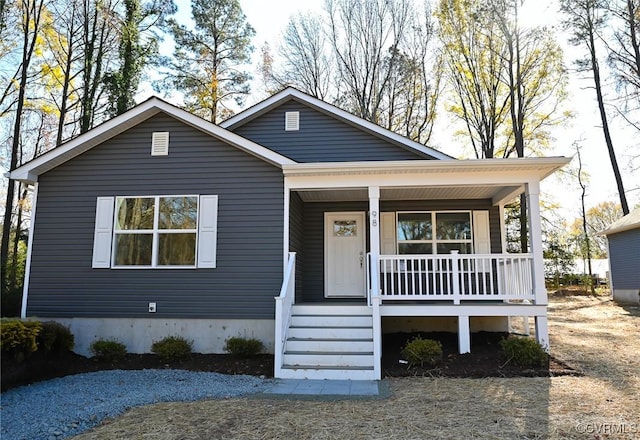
x: 330, y: 332
x: 330, y: 345
x: 328, y: 359
x: 331, y: 320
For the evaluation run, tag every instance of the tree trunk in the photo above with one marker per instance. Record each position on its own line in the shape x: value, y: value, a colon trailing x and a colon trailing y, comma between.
x: 605, y: 125
x: 587, y: 243
x: 31, y: 23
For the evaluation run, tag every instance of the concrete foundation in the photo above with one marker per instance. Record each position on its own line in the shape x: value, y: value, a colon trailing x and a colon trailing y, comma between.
x: 626, y: 296
x: 138, y: 334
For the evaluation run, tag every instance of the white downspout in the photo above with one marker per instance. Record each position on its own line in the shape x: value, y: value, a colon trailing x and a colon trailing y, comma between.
x: 27, y: 270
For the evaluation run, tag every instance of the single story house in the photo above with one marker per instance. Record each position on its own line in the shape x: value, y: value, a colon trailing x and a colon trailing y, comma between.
x: 158, y: 222
x: 623, y: 247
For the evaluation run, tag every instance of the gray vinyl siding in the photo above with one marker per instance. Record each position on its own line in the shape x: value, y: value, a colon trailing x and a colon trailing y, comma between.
x: 624, y: 259
x: 249, y: 239
x: 321, y: 138
x: 296, y: 237
x: 313, y: 260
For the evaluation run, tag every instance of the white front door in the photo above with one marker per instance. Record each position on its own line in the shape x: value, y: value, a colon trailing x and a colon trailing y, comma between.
x: 344, y: 254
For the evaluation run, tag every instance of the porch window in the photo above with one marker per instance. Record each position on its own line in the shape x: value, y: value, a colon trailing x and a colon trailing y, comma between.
x: 434, y: 232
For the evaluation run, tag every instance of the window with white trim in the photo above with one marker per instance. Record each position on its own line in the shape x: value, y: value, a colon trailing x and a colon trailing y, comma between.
x: 434, y: 232
x: 172, y: 231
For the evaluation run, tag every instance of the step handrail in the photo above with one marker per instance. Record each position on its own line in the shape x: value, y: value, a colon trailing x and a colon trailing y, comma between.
x: 284, y: 304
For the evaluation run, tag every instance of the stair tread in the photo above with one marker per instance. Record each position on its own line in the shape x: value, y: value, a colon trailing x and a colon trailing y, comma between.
x: 331, y: 353
x: 325, y: 367
x: 333, y: 315
x: 331, y: 339
x: 333, y: 326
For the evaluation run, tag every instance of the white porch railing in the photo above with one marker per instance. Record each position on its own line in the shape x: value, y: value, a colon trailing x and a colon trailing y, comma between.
x: 456, y: 277
x: 284, y: 302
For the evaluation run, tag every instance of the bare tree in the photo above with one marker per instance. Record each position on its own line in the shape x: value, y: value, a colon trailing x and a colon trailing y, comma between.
x: 375, y: 58
x: 413, y: 92
x: 624, y: 50
x: 305, y: 50
x: 585, y: 19
x: 365, y: 37
x: 587, y: 242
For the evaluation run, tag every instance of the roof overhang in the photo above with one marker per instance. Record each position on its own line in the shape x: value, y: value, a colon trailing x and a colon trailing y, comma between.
x: 30, y: 171
x: 498, y: 180
x: 626, y: 223
x: 329, y: 109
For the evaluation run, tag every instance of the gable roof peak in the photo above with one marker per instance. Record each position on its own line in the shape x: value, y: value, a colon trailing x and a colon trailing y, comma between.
x: 30, y: 171
x: 292, y: 93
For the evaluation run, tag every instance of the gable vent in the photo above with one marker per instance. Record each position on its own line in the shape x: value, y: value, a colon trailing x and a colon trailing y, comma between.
x: 292, y: 121
x: 160, y: 143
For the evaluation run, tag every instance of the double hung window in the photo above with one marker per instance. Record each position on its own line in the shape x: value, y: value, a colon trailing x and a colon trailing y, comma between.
x: 434, y: 232
x: 173, y: 231
x: 156, y: 231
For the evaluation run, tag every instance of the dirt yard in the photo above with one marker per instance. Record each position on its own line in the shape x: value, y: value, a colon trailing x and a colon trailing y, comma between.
x: 593, y: 335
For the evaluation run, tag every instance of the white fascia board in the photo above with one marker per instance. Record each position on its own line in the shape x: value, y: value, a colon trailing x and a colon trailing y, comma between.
x: 30, y: 171
x: 527, y: 168
x: 509, y: 176
x: 325, y: 107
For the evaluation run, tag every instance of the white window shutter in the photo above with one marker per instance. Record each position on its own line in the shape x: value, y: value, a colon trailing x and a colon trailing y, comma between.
x: 481, y: 232
x: 103, y: 234
x: 207, y: 231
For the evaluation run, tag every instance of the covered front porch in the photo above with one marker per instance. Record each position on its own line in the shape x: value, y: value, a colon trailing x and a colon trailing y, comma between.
x: 372, y: 240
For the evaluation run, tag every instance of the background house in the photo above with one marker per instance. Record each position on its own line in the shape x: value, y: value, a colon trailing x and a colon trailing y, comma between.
x: 623, y: 237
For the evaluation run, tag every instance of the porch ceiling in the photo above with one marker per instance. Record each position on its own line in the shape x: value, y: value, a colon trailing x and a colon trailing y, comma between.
x: 411, y: 193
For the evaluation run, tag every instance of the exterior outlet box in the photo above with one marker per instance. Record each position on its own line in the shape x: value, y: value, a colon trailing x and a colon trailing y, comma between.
x: 152, y: 307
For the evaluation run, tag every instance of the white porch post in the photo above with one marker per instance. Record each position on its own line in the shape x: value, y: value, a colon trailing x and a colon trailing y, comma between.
x: 285, y: 238
x: 464, y: 335
x: 535, y: 235
x: 535, y: 238
x: 374, y: 250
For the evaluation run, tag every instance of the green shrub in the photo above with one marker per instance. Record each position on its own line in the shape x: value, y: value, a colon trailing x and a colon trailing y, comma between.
x: 19, y: 338
x: 244, y: 347
x: 172, y: 348
x: 524, y: 352
x: 55, y: 338
x: 422, y: 351
x: 108, y: 350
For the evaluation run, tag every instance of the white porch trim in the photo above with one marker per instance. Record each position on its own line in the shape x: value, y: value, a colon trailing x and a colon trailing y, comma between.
x: 374, y: 254
x: 498, y: 180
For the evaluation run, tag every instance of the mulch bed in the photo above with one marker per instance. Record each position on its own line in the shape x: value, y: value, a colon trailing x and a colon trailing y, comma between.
x: 485, y: 360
